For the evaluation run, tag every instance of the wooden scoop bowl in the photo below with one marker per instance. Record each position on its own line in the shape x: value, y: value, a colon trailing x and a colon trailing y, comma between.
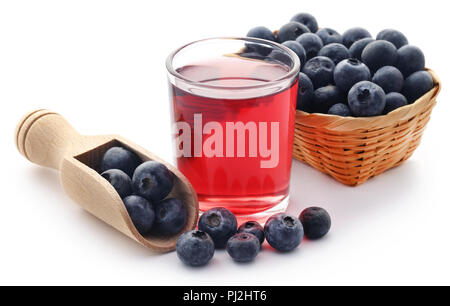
x: 47, y: 139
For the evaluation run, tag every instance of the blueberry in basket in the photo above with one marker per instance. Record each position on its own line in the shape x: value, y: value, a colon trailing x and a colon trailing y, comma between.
x: 297, y: 48
x: 261, y: 33
x: 325, y: 97
x: 308, y: 20
x: 340, y: 109
x: 410, y: 59
x: 394, y: 100
x: 393, y: 36
x: 329, y: 36
x: 354, y: 34
x: 311, y: 43
x: 305, y: 96
x: 358, y: 47
x: 366, y: 99
x: 349, y: 72
x: 320, y: 71
x: 416, y: 85
x: 291, y: 31
x: 389, y: 78
x: 336, y: 52
x: 378, y: 54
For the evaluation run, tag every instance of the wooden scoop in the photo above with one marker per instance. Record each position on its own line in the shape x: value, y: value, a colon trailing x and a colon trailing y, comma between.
x: 47, y: 139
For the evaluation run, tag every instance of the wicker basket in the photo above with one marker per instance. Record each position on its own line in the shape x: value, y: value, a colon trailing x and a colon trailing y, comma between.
x: 352, y: 150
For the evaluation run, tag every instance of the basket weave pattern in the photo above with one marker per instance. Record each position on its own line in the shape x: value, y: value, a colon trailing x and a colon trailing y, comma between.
x: 352, y: 150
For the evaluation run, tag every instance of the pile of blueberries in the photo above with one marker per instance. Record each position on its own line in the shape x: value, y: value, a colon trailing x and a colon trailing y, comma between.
x: 144, y: 187
x: 350, y: 74
x: 217, y: 229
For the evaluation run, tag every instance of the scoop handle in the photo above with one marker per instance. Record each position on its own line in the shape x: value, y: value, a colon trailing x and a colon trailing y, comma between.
x: 44, y: 138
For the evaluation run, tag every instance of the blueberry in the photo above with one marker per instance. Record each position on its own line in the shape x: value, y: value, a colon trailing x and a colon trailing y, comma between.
x: 305, y: 95
x: 195, y: 248
x: 316, y: 222
x: 120, y: 158
x: 329, y: 36
x: 416, y: 85
x: 283, y: 232
x: 320, y: 71
x: 366, y: 99
x: 252, y: 227
x: 262, y: 33
x: 358, y: 46
x: 349, y: 72
x: 340, y: 109
x: 378, y: 54
x: 170, y: 216
x: 394, y: 100
x: 119, y: 180
x: 325, y: 97
x: 252, y: 55
x: 141, y: 213
x: 220, y: 224
x: 298, y: 49
x: 353, y: 35
x: 389, y: 78
x: 243, y: 247
x: 152, y: 180
x: 393, y: 36
x: 291, y: 30
x: 336, y: 52
x: 312, y: 44
x: 410, y: 60
x: 308, y: 20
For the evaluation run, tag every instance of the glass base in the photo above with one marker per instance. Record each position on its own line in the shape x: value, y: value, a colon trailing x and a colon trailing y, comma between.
x: 246, y: 208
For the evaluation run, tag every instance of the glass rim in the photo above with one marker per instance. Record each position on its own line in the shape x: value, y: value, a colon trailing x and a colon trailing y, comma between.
x: 293, y: 71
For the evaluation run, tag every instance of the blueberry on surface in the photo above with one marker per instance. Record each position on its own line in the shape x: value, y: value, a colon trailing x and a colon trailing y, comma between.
x: 261, y: 33
x: 220, y: 224
x: 298, y: 49
x: 394, y: 100
x: 340, y: 109
x: 308, y: 20
x: 305, y: 95
x: 410, y: 60
x: 312, y: 44
x: 416, y: 85
x: 170, y: 216
x: 195, y: 248
x: 336, y: 52
x: 120, y: 158
x: 325, y: 97
x: 316, y: 222
x: 353, y: 35
x: 320, y: 71
x: 358, y: 46
x: 252, y: 227
x: 366, y: 99
x: 393, y: 36
x: 243, y: 247
x: 152, y: 180
x: 291, y: 30
x: 141, y: 213
x: 119, y: 180
x: 349, y: 72
x: 378, y: 54
x: 389, y: 78
x: 329, y: 36
x: 283, y: 232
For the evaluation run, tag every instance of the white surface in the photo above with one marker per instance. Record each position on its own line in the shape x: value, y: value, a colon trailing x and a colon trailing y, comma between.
x: 101, y: 65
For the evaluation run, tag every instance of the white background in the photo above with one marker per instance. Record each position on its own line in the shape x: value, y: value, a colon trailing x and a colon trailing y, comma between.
x: 101, y: 65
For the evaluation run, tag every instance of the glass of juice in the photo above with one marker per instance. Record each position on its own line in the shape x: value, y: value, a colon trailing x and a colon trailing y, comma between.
x: 233, y: 106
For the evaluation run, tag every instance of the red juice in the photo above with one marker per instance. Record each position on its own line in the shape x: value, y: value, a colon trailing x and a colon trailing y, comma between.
x: 248, y: 167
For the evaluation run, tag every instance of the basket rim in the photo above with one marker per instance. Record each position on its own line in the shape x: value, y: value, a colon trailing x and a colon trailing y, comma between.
x: 338, y: 123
